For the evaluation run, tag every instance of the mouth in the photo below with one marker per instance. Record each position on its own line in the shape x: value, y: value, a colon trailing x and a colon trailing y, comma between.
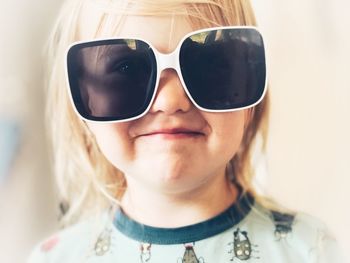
x: 178, y: 133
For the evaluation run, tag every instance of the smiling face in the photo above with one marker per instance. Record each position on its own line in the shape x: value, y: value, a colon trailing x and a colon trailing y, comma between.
x: 175, y: 147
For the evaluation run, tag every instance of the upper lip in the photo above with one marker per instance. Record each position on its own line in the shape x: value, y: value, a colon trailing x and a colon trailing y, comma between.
x: 172, y: 131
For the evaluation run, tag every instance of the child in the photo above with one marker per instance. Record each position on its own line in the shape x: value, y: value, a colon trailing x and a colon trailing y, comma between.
x: 153, y: 134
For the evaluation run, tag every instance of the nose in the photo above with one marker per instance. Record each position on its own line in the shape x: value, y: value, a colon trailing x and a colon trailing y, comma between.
x: 171, y: 96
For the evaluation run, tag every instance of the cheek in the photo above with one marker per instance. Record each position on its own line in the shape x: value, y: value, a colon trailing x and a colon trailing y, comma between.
x: 114, y: 142
x: 227, y: 130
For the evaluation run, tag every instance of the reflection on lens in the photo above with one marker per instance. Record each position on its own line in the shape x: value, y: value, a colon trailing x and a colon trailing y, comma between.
x: 224, y: 69
x: 111, y: 79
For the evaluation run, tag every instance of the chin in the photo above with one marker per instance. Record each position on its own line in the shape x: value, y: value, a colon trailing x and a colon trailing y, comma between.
x: 167, y: 175
x: 178, y: 180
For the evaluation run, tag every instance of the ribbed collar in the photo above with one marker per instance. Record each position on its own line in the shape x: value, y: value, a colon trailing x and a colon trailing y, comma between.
x: 187, y: 234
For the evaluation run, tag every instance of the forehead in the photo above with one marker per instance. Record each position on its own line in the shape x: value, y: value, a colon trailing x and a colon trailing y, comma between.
x: 163, y: 32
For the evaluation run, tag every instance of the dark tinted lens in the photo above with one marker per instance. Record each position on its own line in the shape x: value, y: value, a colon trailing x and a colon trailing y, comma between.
x: 224, y: 69
x: 111, y: 79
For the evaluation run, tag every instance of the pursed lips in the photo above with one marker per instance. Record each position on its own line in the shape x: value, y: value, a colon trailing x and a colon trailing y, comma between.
x: 173, y: 133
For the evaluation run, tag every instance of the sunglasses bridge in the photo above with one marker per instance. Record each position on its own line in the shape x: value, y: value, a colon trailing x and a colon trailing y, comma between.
x: 167, y: 61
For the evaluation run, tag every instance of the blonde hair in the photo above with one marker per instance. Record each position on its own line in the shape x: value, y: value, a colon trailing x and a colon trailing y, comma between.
x: 86, y: 181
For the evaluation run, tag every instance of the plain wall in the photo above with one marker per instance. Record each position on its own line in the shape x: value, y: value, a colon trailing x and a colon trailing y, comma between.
x: 27, y: 203
x: 307, y: 163
x: 308, y: 151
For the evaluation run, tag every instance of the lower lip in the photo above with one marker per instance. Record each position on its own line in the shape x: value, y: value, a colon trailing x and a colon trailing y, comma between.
x: 173, y: 136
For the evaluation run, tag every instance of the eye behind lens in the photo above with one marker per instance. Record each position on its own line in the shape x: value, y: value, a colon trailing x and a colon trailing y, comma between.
x: 111, y: 80
x: 226, y: 70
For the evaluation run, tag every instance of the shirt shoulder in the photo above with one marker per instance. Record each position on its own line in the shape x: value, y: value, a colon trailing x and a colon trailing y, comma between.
x: 323, y: 244
x: 72, y: 244
x: 298, y: 235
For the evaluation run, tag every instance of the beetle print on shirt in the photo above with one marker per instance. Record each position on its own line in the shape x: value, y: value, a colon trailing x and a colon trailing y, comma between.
x: 103, y: 243
x: 190, y: 256
x: 242, y: 248
x: 145, y: 249
x: 283, y: 224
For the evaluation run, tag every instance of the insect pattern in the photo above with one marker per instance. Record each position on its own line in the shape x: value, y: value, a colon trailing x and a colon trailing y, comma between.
x: 283, y: 224
x: 190, y: 256
x: 145, y: 249
x: 103, y: 242
x: 242, y: 248
x: 49, y: 244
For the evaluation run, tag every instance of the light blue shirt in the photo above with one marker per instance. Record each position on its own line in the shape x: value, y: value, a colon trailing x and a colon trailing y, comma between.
x: 245, y: 232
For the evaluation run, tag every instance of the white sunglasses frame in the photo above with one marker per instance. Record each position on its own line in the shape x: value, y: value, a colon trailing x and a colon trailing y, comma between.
x: 167, y: 61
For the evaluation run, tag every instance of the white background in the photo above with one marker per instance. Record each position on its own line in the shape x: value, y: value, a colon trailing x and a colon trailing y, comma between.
x: 308, y: 151
x: 308, y: 47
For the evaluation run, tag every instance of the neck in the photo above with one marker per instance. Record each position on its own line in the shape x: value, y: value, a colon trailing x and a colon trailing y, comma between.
x: 160, y: 209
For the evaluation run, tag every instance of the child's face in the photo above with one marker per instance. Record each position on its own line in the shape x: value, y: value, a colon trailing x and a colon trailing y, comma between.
x: 175, y: 147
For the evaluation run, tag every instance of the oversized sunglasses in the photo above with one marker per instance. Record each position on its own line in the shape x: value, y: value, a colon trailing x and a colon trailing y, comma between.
x: 221, y: 69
